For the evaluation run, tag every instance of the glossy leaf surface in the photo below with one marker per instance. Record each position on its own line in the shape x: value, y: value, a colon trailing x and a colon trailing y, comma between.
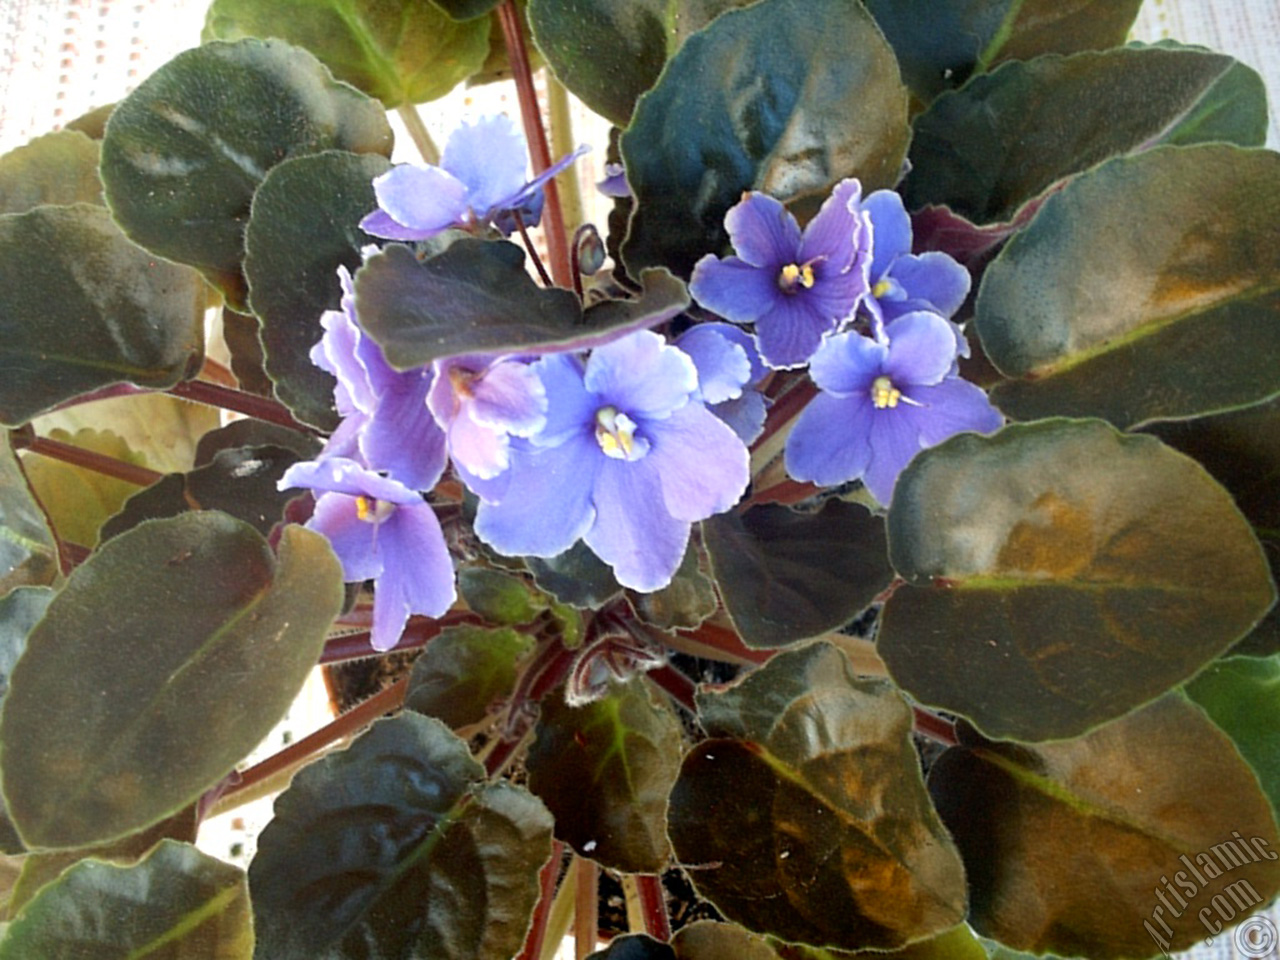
x: 1068, y: 845
x: 28, y: 552
x: 787, y: 97
x: 178, y: 903
x: 786, y: 575
x: 59, y: 167
x: 392, y: 848
x: 400, y: 51
x: 988, y: 148
x: 464, y: 671
x: 101, y: 751
x: 1145, y: 289
x: 120, y: 315
x: 604, y: 770
x: 806, y: 810
x: 1048, y: 599
x: 184, y: 153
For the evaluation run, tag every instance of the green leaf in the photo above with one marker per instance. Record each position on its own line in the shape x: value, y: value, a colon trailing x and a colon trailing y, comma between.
x: 786, y: 575
x: 399, y: 51
x: 393, y: 848
x: 97, y: 752
x: 20, y: 610
x: 1076, y: 848
x: 463, y: 671
x: 807, y: 815
x: 576, y: 577
x: 81, y: 308
x: 787, y: 97
x: 58, y: 168
x: 255, y: 433
x: 500, y: 597
x: 303, y: 226
x: 1002, y: 139
x: 476, y: 297
x: 466, y: 9
x: 1034, y: 27
x: 958, y: 943
x: 708, y: 940
x: 184, y: 153
x: 604, y: 770
x: 28, y: 552
x: 1146, y: 289
x: 640, y: 35
x: 682, y: 604
x: 1048, y: 598
x: 178, y: 903
x: 248, y: 362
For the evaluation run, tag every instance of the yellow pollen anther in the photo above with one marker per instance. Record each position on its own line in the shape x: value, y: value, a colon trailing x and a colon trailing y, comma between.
x: 371, y: 510
x: 884, y: 393
x: 794, y: 273
x: 616, y: 434
x: 881, y: 288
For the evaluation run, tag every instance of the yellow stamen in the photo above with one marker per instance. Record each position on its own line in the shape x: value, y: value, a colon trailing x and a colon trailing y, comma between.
x: 881, y: 288
x: 884, y: 393
x: 616, y: 434
x: 371, y: 510
x: 796, y: 273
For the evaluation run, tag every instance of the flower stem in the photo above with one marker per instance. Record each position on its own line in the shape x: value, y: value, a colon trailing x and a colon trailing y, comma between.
x: 80, y: 457
x: 418, y: 133
x: 531, y: 118
x: 562, y: 144
x: 586, y: 914
x: 250, y: 404
x: 355, y: 646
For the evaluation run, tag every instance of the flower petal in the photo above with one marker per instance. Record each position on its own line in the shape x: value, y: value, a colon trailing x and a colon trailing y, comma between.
x: 354, y: 541
x: 701, y: 463
x: 848, y: 363
x: 735, y: 289
x: 642, y: 375
x: 417, y: 574
x: 340, y: 475
x: 763, y: 233
x: 894, y: 439
x: 723, y: 365
x: 828, y: 444
x: 953, y: 406
x: 422, y: 199
x: 838, y: 233
x: 792, y: 332
x: 490, y: 157
x: 570, y: 408
x: 930, y: 281
x: 891, y: 230
x: 402, y: 437
x: 922, y: 349
x: 479, y: 449
x: 744, y: 415
x: 632, y: 532
x: 510, y: 397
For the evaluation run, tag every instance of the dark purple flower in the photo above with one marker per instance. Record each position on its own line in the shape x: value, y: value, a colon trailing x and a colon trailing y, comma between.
x: 881, y: 402
x: 729, y: 370
x: 614, y: 184
x: 380, y: 531
x: 795, y: 287
x: 627, y: 461
x: 480, y: 181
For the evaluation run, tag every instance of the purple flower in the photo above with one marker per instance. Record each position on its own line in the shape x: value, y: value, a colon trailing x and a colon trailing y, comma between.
x: 796, y: 288
x: 627, y: 461
x: 614, y: 184
x: 386, y: 423
x: 729, y: 370
x: 881, y: 402
x: 480, y: 181
x: 381, y: 531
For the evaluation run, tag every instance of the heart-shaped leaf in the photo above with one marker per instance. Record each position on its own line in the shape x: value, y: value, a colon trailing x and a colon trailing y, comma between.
x: 1003, y: 138
x: 119, y: 316
x: 463, y: 671
x: 806, y: 814
x: 1145, y: 289
x: 101, y: 751
x: 59, y: 167
x: 184, y: 153
x: 1030, y: 28
x: 785, y: 96
x: 394, y: 848
x: 1050, y: 598
x: 1083, y: 848
x: 786, y: 575
x: 178, y: 902
x: 20, y: 611
x: 28, y: 552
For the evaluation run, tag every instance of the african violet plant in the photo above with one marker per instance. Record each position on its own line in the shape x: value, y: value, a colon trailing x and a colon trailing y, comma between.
x: 881, y: 538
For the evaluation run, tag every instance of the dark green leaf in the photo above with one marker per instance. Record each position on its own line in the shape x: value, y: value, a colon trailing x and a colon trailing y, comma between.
x: 476, y: 297
x: 1034, y: 27
x: 28, y: 552
x: 94, y: 123
x: 685, y: 602
x: 20, y: 610
x: 466, y: 9
x: 184, y: 153
x: 463, y: 671
x: 604, y: 770
x: 1003, y: 138
x: 178, y: 903
x: 708, y: 940
x: 639, y: 35
x: 1145, y: 289
x: 59, y: 167
x: 394, y: 849
x: 106, y: 749
x: 958, y: 943
x: 1073, y: 847
x: 400, y: 51
x: 499, y: 597
x: 787, y: 97
x: 786, y: 576
x: 1051, y: 598
x: 576, y: 577
x: 303, y: 226
x: 255, y: 433
x: 248, y: 361
x: 81, y: 308
x: 806, y: 813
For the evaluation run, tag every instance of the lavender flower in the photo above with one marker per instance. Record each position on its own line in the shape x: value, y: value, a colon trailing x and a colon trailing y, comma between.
x: 729, y: 370
x: 795, y: 287
x: 381, y: 531
x: 480, y: 181
x: 881, y: 402
x: 627, y: 461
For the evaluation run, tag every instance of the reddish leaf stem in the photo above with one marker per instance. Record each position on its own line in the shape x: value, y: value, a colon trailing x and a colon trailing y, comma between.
x: 355, y: 646
x: 653, y: 903
x: 786, y: 408
x: 674, y: 683
x: 250, y: 404
x: 547, y: 877
x: 586, y: 912
x: 935, y: 727
x: 720, y: 638
x: 80, y: 457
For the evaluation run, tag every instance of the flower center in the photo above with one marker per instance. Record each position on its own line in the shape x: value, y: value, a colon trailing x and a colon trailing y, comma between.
x: 371, y: 510
x: 884, y: 393
x: 460, y: 378
x: 881, y: 288
x: 793, y: 274
x: 616, y: 434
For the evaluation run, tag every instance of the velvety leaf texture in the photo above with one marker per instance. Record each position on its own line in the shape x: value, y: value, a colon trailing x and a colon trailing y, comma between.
x: 499, y: 597
x: 178, y: 903
x: 248, y: 362
x: 97, y: 752
x: 1046, y: 599
x: 787, y: 97
x: 28, y: 552
x: 20, y: 610
x: 806, y: 813
x: 393, y: 848
x: 120, y: 315
x: 576, y: 577
x: 1099, y: 846
x: 1146, y: 289
x: 463, y: 671
x: 1034, y: 27
x: 685, y: 602
x: 184, y: 153
x: 59, y: 167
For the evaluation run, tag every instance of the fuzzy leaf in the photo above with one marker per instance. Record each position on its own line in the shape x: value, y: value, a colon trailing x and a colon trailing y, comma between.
x: 28, y: 552
x: 463, y: 671
x: 59, y: 167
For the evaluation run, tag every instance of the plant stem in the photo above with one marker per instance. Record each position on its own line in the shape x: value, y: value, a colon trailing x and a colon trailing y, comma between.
x: 531, y: 118
x: 562, y: 144
x: 586, y: 913
x: 785, y: 409
x: 418, y: 133
x: 654, y: 904
x: 533, y: 251
x: 935, y: 727
x: 250, y: 404
x: 355, y: 646
x: 532, y: 948
x: 88, y: 459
